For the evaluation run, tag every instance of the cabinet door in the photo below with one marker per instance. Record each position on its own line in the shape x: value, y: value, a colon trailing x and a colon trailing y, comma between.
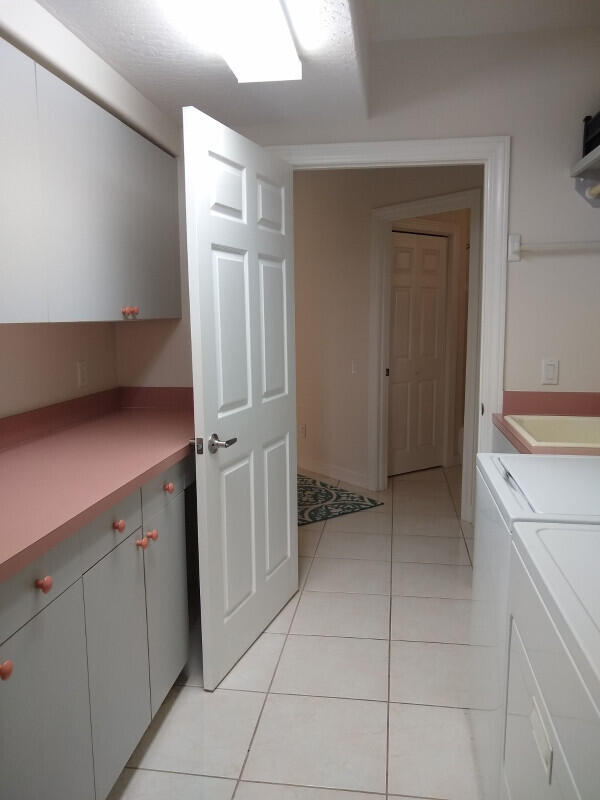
x: 153, y: 208
x: 45, y: 737
x: 166, y: 598
x: 22, y: 270
x: 117, y: 638
x: 110, y: 200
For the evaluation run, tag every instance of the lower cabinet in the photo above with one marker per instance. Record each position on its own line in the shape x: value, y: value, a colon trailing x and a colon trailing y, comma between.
x: 45, y: 741
x: 166, y: 597
x: 117, y: 641
x: 82, y: 676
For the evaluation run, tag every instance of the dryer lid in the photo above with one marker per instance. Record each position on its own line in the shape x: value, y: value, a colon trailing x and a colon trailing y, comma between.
x: 562, y: 486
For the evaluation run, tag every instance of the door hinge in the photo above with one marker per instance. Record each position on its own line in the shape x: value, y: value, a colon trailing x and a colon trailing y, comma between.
x: 482, y: 409
x: 387, y: 373
x: 198, y: 445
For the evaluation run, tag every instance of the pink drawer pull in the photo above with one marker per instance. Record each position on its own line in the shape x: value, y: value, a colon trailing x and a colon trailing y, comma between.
x: 152, y: 535
x: 169, y: 487
x: 44, y: 584
x: 143, y: 542
x: 6, y: 670
x: 119, y: 526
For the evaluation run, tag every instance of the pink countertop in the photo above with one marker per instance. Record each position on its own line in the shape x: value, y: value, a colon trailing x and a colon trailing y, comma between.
x: 510, y: 433
x: 53, y: 485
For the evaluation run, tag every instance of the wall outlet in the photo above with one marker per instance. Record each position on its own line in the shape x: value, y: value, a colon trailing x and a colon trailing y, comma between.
x: 82, y: 374
x: 354, y: 367
x: 302, y: 430
x: 550, y: 371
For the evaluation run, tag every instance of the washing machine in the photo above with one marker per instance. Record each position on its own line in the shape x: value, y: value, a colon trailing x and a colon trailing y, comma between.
x: 552, y: 736
x: 512, y: 488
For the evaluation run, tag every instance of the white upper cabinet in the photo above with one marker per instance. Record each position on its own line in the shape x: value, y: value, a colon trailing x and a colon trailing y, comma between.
x: 109, y: 211
x: 22, y: 271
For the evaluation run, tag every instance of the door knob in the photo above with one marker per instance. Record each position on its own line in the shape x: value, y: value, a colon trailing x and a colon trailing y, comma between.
x: 44, y: 584
x: 214, y: 443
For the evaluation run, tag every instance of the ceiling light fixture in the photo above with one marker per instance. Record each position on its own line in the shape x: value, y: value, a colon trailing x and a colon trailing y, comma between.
x: 253, y: 36
x: 256, y: 41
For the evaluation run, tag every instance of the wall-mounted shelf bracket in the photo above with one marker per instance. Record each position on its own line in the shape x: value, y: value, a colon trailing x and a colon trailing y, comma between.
x: 587, y: 177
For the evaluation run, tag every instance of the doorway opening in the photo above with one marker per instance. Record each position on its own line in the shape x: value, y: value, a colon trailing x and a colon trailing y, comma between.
x: 493, y: 155
x: 440, y: 402
x: 344, y: 227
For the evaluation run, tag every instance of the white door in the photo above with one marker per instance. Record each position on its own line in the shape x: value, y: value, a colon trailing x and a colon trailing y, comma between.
x: 417, y: 344
x: 240, y: 261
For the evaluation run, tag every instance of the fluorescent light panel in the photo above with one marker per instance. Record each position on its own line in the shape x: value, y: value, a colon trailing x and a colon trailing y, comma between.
x: 256, y: 41
x: 253, y: 36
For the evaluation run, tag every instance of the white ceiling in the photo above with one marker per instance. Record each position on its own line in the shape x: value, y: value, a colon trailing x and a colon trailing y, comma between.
x: 397, y: 20
x: 141, y: 42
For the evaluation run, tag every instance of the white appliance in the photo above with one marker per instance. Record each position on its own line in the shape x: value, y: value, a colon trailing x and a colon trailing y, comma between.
x: 510, y: 488
x: 552, y: 745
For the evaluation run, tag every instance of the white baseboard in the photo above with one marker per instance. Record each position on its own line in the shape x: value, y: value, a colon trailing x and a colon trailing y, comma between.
x: 334, y: 471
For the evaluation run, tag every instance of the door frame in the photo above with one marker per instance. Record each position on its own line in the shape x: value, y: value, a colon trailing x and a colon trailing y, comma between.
x: 383, y: 220
x: 493, y: 153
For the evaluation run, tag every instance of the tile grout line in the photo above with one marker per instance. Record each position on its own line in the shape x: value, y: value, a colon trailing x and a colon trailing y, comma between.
x: 268, y: 692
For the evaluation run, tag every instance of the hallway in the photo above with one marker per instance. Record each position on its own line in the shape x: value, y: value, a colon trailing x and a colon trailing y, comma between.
x: 360, y: 684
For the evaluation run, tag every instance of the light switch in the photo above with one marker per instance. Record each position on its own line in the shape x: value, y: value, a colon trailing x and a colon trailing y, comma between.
x: 550, y: 371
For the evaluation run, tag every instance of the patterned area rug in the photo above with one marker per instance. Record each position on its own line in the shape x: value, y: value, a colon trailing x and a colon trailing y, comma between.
x: 318, y: 501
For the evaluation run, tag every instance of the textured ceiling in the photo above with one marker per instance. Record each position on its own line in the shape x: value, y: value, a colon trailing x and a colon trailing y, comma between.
x: 141, y: 42
x: 396, y: 20
x: 173, y: 67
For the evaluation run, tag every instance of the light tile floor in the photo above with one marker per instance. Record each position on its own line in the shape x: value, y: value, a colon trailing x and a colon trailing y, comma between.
x: 356, y: 691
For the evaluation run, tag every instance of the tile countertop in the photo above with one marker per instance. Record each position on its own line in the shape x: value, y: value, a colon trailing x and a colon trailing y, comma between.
x: 54, y: 485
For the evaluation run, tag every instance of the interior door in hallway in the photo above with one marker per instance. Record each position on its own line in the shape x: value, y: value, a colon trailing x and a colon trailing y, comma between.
x: 240, y: 264
x: 418, y: 278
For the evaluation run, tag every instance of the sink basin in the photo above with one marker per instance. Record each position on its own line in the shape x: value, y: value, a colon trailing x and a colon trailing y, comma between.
x: 557, y: 432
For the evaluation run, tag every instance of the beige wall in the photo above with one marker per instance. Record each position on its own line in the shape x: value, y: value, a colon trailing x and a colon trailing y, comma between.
x: 37, y: 363
x: 536, y: 88
x: 332, y: 217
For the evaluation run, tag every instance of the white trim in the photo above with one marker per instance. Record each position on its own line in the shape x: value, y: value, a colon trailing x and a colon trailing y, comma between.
x: 350, y: 476
x: 493, y: 153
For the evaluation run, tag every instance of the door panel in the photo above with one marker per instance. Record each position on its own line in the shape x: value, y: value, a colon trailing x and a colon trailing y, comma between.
x: 231, y: 330
x: 417, y: 347
x: 277, y: 511
x: 273, y: 327
x: 238, y: 531
x: 240, y: 254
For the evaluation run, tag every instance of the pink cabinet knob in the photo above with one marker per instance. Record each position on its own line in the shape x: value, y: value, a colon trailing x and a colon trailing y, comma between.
x: 152, y: 535
x: 6, y: 670
x: 44, y: 584
x: 169, y: 487
x: 143, y: 542
x: 135, y: 310
x: 119, y: 526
